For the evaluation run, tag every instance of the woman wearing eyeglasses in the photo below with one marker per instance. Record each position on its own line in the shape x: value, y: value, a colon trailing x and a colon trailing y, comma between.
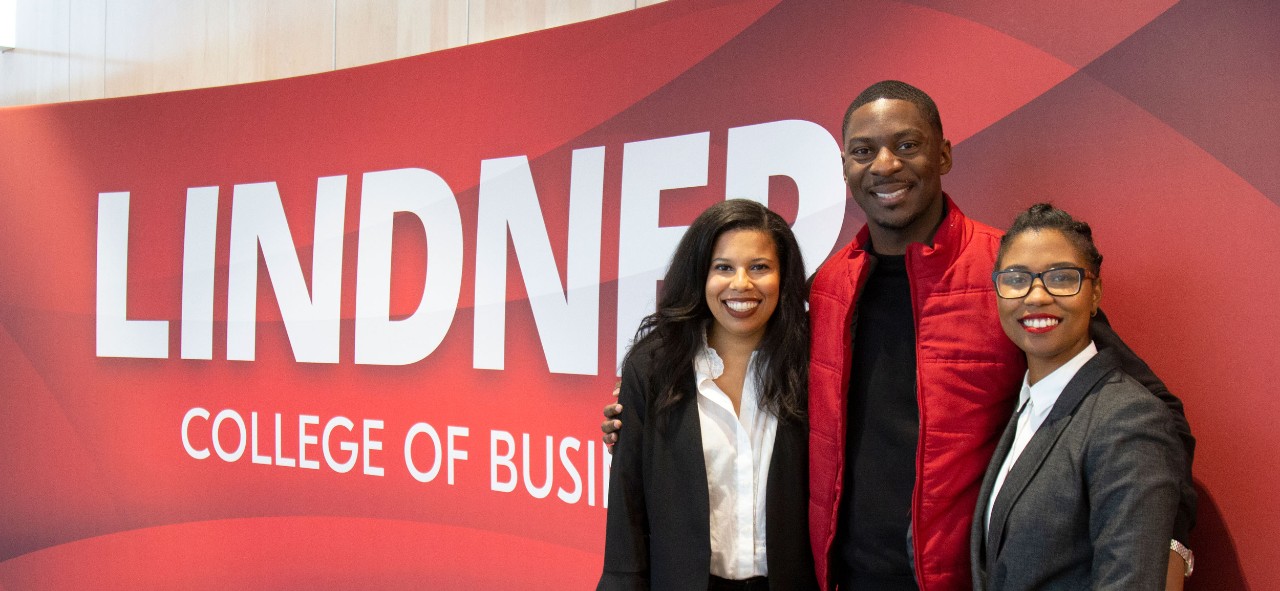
x: 1084, y: 484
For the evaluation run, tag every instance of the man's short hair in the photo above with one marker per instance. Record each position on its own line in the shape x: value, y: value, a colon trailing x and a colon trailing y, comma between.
x: 894, y: 89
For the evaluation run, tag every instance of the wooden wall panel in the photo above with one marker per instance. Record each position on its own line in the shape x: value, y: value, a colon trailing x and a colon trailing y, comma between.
x: 36, y: 72
x: 161, y: 45
x: 280, y: 38
x: 494, y: 19
x: 87, y: 49
x: 372, y: 31
x: 366, y: 31
x: 563, y: 13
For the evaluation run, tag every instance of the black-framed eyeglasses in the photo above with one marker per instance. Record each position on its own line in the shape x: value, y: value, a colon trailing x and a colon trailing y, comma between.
x: 1061, y: 282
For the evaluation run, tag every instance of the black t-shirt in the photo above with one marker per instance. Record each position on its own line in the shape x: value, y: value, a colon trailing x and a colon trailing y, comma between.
x: 880, y: 441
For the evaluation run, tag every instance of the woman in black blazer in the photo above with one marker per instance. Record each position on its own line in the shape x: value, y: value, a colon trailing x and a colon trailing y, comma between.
x: 710, y: 490
x: 1084, y: 484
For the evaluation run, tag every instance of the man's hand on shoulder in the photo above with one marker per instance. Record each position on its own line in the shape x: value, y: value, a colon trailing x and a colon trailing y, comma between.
x: 612, y: 427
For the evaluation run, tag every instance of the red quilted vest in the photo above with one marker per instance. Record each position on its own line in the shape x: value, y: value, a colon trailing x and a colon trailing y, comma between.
x: 967, y: 374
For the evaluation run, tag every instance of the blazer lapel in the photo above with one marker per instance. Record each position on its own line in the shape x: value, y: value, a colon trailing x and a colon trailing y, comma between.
x: 1033, y: 456
x: 1083, y: 384
x: 686, y: 434
x: 788, y: 557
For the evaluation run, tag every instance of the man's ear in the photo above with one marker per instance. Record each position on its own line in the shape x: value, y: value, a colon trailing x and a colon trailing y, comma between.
x: 944, y: 157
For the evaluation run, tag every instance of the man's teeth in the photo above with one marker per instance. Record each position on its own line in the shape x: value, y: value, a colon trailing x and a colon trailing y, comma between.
x: 892, y: 195
x: 741, y: 306
x: 1040, y: 322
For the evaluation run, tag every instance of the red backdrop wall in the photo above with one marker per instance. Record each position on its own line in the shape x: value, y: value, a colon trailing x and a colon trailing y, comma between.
x: 1153, y: 120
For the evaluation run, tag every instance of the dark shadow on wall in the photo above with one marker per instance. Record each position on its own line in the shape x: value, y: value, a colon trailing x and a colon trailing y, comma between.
x: 1217, y: 564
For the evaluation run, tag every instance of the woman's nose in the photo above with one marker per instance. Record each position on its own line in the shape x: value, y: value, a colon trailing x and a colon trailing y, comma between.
x: 1039, y: 294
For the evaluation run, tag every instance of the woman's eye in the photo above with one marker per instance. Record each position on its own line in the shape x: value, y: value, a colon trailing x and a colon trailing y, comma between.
x: 1063, y: 277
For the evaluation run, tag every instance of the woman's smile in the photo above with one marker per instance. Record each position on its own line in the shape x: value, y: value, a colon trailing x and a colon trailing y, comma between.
x: 1049, y: 329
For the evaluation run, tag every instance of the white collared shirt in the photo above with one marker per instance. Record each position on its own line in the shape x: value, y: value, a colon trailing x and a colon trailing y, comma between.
x: 737, y: 450
x: 1035, y: 403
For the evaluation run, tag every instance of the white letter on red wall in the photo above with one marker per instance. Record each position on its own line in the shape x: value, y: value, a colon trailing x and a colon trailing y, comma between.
x: 644, y: 248
x: 805, y: 152
x: 116, y: 335
x: 198, y: 242
x: 568, y: 319
x: 379, y: 339
x: 311, y: 321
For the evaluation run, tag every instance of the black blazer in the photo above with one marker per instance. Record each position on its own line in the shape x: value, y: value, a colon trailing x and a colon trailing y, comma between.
x: 658, y: 533
x: 1090, y: 503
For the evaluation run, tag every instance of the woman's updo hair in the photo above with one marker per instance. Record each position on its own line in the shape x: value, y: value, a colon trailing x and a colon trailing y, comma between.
x: 1044, y: 216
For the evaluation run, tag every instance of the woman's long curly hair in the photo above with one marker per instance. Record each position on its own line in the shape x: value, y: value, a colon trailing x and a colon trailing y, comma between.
x: 674, y: 333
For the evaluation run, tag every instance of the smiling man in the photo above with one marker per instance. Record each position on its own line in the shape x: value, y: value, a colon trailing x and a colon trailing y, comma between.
x: 894, y: 158
x: 911, y: 379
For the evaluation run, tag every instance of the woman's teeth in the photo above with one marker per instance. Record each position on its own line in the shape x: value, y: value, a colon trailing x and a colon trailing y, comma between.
x: 1039, y: 322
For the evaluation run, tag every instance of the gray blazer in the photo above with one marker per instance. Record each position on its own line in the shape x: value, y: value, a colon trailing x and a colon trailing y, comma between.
x: 1090, y: 503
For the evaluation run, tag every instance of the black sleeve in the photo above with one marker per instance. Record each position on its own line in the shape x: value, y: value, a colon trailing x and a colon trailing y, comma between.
x: 1105, y: 337
x: 626, y: 547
